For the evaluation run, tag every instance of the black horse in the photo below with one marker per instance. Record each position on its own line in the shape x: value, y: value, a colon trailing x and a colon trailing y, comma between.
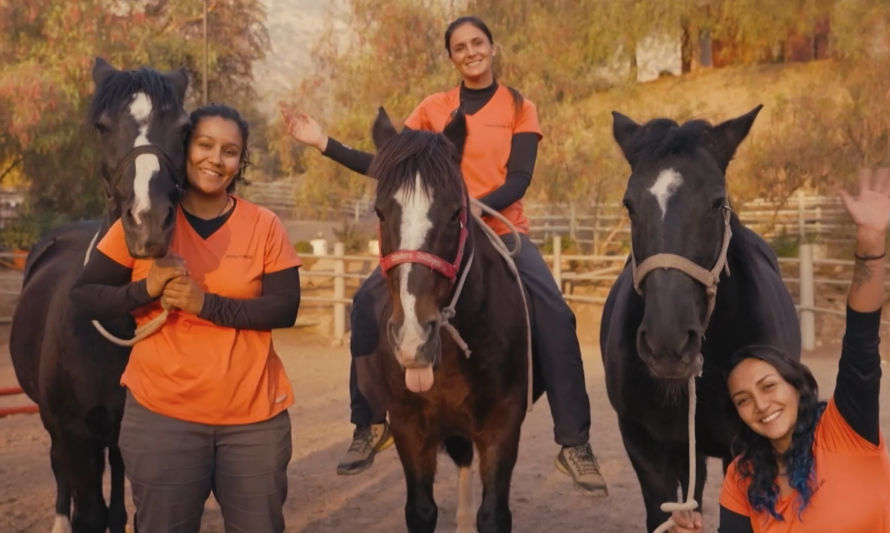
x: 60, y: 359
x: 664, y: 309
x: 448, y: 286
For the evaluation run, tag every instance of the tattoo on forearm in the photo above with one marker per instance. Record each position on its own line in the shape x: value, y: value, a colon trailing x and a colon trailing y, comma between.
x: 863, y: 272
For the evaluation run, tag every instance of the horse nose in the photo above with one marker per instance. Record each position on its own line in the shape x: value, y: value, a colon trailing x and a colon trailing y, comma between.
x: 429, y: 350
x: 668, y: 347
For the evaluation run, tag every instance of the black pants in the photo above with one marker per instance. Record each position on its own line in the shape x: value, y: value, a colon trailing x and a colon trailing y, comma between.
x: 558, y: 356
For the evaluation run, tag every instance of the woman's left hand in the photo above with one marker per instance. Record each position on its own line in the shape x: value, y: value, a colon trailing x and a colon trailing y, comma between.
x: 184, y: 293
x: 870, y: 208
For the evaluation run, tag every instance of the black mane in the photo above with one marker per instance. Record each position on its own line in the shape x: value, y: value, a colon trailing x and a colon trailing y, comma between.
x: 663, y: 137
x: 120, y: 85
x: 401, y: 158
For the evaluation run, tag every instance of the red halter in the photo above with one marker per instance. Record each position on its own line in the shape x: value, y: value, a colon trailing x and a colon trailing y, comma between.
x: 432, y: 261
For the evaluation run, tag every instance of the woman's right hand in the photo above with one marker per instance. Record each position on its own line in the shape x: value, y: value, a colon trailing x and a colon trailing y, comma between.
x: 163, y: 270
x: 303, y: 128
x: 687, y: 522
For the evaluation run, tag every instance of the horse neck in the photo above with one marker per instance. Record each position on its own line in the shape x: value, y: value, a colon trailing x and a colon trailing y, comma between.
x: 482, y: 270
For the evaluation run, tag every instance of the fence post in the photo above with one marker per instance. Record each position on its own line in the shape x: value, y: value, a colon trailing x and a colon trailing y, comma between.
x: 801, y: 219
x: 573, y: 223
x: 339, y: 294
x: 557, y: 261
x: 807, y: 298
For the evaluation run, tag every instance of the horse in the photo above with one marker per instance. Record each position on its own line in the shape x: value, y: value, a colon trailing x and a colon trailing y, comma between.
x: 61, y: 361
x: 664, y: 320
x: 454, y: 344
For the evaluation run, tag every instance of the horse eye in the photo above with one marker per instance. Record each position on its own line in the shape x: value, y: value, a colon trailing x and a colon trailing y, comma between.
x: 719, y: 203
x: 456, y: 216
x: 379, y: 214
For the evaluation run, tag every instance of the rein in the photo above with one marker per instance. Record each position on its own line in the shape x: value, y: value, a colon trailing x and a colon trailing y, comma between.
x: 142, y: 331
x: 708, y: 278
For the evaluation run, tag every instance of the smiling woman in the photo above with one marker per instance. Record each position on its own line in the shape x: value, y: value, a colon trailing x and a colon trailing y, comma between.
x: 206, y: 394
x: 805, y: 464
x: 497, y: 166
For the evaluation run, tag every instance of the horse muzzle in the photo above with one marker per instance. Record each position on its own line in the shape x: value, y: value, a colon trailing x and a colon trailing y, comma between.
x: 676, y: 359
x: 418, y: 354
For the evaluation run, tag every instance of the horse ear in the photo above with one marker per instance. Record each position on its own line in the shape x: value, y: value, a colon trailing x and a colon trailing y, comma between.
x: 383, y: 129
x: 725, y: 137
x: 180, y: 80
x: 456, y: 131
x: 101, y: 70
x: 623, y: 129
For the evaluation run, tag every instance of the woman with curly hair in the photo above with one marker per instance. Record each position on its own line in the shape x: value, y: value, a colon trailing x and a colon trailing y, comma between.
x: 804, y: 464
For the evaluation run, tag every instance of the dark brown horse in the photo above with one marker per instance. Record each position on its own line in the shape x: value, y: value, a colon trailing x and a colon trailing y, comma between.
x: 61, y: 361
x: 448, y: 286
x: 666, y: 307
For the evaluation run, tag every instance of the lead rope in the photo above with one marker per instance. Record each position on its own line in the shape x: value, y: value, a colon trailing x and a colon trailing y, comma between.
x: 142, y: 331
x: 508, y: 258
x: 690, y: 504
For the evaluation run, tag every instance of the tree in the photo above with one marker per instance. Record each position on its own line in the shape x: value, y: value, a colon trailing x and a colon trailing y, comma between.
x: 46, y: 51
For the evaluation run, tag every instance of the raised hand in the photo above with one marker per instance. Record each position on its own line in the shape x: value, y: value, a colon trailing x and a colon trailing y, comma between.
x: 870, y: 208
x: 303, y: 128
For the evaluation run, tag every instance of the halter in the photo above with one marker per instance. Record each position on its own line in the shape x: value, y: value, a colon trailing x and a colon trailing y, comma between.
x: 708, y: 278
x: 135, y: 152
x: 432, y: 261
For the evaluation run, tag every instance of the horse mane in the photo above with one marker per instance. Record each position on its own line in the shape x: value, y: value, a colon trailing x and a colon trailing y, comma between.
x: 400, y: 159
x: 745, y: 242
x: 662, y: 137
x: 118, y: 86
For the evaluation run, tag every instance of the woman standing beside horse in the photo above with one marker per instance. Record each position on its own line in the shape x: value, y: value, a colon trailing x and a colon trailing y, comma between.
x: 497, y: 166
x: 207, y: 396
x: 807, y: 465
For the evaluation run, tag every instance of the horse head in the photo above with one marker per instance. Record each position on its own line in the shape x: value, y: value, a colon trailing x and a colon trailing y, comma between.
x: 422, y: 208
x: 677, y: 203
x: 142, y: 124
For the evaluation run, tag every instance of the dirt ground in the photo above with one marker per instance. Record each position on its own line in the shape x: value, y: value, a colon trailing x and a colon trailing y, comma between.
x: 319, y: 500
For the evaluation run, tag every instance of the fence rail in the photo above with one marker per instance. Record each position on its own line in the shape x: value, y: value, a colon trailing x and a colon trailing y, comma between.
x: 342, y: 272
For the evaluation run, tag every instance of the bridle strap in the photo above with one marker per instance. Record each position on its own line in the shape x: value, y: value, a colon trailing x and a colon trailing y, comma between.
x: 135, y: 152
x: 430, y: 260
x: 708, y: 278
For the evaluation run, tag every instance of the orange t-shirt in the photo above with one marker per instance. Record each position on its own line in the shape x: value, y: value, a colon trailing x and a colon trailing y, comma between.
x: 192, y: 369
x: 852, y: 490
x: 489, y: 136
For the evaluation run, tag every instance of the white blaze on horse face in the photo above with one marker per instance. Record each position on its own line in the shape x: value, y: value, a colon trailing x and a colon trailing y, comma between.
x: 666, y: 184
x: 147, y: 165
x: 414, y: 229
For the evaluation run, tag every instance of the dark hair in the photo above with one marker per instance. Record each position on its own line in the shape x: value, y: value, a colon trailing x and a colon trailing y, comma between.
x: 223, y: 111
x: 757, y: 458
x: 477, y: 22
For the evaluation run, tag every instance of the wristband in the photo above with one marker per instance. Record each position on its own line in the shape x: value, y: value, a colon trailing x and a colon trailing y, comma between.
x: 869, y: 257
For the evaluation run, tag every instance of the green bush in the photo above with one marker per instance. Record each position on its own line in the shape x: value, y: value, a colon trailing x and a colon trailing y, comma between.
x: 303, y: 247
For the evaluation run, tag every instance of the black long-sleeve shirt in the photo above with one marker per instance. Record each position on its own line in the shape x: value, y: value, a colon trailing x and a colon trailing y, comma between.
x: 520, y: 164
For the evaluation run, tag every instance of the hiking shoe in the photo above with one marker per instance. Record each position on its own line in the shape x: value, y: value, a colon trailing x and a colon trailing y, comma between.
x: 580, y: 463
x: 366, y: 442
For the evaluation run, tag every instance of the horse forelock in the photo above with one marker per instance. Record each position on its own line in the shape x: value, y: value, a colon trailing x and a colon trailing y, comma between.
x: 117, y: 90
x: 415, y: 152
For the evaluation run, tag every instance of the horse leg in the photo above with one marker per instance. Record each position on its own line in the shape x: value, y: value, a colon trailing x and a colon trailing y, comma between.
x: 418, y: 456
x: 655, y: 471
x: 498, y: 450
x: 461, y: 451
x: 87, y: 467
x: 117, y: 510
x: 62, y: 523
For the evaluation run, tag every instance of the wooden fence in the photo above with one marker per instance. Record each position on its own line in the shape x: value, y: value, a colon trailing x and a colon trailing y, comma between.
x: 603, y: 228
x: 586, y: 279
